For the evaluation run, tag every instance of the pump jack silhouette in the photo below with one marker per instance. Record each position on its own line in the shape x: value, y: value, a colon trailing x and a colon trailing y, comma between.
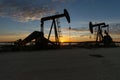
x: 38, y: 36
x: 106, y: 40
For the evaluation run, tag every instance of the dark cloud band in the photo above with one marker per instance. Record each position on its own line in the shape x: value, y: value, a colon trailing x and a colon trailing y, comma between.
x: 25, y: 10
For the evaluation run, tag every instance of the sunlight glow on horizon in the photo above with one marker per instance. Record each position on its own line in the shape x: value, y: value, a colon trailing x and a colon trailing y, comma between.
x: 76, y: 35
x: 62, y: 39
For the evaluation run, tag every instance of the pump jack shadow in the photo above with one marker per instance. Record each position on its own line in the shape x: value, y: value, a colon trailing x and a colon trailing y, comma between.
x: 96, y: 55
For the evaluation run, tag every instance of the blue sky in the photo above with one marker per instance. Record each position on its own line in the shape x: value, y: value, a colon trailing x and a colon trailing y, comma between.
x: 18, y: 18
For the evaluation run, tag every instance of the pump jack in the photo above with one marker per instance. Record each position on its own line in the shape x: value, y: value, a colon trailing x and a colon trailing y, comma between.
x: 100, y: 37
x: 53, y: 18
x: 40, y: 40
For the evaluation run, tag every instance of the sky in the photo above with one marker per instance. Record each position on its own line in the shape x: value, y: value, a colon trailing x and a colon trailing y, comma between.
x: 19, y: 18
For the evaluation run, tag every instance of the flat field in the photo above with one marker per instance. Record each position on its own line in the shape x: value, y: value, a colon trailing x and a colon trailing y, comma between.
x: 61, y: 64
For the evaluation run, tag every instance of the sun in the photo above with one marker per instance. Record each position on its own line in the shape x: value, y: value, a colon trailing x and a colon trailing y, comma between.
x: 62, y: 40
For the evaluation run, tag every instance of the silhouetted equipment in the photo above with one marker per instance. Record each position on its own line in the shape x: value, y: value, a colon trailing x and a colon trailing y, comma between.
x: 100, y: 37
x: 38, y: 36
x: 53, y: 18
x: 40, y: 40
x: 107, y: 40
x: 59, y: 27
x: 99, y: 25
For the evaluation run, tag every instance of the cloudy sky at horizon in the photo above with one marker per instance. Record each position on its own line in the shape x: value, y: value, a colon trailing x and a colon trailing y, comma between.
x: 18, y: 18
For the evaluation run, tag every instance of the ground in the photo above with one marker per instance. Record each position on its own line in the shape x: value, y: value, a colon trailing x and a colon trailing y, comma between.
x: 61, y: 64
